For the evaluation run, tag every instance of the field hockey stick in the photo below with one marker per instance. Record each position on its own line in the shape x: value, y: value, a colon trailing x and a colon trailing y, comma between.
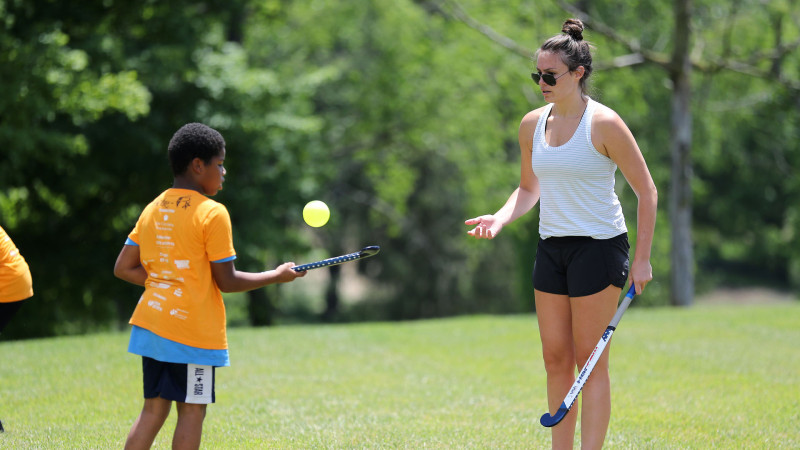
x: 550, y: 421
x: 365, y: 252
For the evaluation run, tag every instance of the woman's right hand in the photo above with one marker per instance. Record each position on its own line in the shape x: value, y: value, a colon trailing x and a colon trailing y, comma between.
x: 486, y: 227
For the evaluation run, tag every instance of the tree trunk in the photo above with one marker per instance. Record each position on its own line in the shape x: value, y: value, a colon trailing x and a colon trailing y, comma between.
x: 259, y: 307
x: 332, y: 295
x: 680, y: 202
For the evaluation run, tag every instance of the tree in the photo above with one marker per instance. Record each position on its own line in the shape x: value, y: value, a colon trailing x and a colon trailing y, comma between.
x: 53, y: 94
x: 679, y: 66
x: 91, y: 97
x: 397, y: 115
x: 403, y: 113
x: 680, y: 199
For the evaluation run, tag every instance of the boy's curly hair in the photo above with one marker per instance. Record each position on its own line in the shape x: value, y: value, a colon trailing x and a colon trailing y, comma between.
x: 193, y: 140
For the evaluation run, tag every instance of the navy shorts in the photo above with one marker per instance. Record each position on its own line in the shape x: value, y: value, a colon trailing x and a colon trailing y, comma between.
x: 579, y: 265
x: 186, y: 383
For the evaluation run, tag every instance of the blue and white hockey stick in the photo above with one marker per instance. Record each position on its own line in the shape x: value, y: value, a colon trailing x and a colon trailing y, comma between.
x: 365, y: 252
x: 550, y: 421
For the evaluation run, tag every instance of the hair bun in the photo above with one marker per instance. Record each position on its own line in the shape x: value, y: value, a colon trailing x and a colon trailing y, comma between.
x: 573, y: 28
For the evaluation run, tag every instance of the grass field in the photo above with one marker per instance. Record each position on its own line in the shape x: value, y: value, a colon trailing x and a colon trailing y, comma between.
x: 705, y: 377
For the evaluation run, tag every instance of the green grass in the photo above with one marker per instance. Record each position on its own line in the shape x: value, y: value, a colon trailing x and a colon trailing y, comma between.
x: 723, y: 377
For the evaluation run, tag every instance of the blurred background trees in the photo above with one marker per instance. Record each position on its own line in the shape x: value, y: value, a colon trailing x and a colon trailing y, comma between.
x: 400, y: 117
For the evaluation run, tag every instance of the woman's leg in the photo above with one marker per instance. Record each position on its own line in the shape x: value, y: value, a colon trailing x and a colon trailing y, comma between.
x: 558, y: 350
x: 149, y: 422
x: 590, y: 317
x: 189, y: 429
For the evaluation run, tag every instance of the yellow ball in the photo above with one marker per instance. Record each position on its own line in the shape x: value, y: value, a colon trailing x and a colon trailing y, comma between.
x: 316, y: 213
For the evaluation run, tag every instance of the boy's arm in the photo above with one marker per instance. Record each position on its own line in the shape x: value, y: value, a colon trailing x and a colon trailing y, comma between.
x: 231, y: 280
x: 128, y: 266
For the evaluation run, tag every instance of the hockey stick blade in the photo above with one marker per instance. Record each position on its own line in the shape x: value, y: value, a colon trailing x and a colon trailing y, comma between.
x: 550, y: 421
x: 365, y: 252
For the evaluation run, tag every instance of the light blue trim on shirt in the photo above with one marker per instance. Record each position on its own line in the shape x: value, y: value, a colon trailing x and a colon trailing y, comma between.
x: 130, y: 242
x: 229, y: 258
x: 146, y: 343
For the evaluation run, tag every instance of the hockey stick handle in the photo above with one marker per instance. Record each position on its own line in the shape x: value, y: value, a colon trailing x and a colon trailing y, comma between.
x: 623, y: 306
x: 365, y: 252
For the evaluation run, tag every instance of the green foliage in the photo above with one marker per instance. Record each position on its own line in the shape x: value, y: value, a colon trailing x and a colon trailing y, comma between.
x: 404, y: 106
x: 401, y: 118
x: 746, y: 172
x: 753, y: 232
x: 744, y: 131
x: 471, y: 382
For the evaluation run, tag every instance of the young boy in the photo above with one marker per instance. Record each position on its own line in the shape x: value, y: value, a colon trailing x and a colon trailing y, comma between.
x: 181, y: 251
x: 15, y: 282
x: 15, y: 279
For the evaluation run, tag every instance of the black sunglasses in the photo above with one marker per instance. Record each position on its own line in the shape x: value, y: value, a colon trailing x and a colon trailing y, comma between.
x: 547, y: 77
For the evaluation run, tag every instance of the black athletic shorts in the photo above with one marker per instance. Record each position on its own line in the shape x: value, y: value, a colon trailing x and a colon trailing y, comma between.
x: 7, y: 311
x: 579, y: 265
x: 186, y: 383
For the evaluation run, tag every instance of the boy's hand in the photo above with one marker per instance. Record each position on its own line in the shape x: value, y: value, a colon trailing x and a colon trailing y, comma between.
x: 285, y: 274
x: 229, y: 279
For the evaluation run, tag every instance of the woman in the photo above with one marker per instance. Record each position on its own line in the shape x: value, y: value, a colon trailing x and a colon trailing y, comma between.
x: 570, y: 151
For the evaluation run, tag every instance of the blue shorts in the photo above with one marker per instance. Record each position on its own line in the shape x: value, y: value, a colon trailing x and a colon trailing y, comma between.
x: 186, y: 383
x: 579, y: 265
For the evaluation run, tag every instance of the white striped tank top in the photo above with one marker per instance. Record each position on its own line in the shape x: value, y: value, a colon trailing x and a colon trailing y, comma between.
x: 576, y: 184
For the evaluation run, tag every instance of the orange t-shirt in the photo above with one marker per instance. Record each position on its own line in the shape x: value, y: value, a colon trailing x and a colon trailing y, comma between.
x: 179, y: 234
x: 15, y: 276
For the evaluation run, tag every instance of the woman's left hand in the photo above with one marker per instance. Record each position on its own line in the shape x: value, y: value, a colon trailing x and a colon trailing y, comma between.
x: 641, y: 274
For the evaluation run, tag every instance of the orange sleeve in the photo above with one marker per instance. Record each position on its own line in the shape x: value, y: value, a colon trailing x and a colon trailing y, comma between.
x: 219, y: 234
x: 15, y: 276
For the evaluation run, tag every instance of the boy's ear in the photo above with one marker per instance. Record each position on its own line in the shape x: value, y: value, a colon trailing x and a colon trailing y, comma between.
x: 197, y: 165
